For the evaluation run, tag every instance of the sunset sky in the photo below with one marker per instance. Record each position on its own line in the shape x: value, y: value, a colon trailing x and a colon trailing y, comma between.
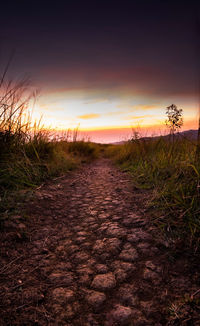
x: 105, y: 66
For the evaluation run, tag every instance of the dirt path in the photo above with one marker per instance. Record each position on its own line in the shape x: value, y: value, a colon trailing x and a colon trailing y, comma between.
x: 86, y: 256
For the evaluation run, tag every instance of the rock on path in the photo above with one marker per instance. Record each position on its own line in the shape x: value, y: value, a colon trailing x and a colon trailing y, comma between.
x: 90, y: 258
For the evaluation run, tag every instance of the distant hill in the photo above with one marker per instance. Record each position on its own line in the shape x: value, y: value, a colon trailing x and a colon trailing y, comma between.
x: 189, y: 134
x: 119, y: 142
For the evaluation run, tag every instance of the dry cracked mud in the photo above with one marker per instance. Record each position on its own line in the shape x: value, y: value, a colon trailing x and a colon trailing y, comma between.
x: 87, y: 256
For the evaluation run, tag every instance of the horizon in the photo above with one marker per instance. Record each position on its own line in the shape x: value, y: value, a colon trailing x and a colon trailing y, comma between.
x: 111, y: 137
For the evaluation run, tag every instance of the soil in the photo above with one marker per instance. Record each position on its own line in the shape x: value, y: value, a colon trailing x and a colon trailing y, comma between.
x: 85, y: 252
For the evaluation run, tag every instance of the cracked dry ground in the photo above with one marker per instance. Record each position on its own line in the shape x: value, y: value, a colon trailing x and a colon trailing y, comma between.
x: 90, y: 258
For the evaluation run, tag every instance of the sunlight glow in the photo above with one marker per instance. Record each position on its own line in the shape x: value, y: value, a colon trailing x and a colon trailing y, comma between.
x: 62, y: 111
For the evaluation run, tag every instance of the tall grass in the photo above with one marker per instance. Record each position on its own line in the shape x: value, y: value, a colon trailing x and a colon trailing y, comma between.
x: 172, y: 173
x: 29, y: 154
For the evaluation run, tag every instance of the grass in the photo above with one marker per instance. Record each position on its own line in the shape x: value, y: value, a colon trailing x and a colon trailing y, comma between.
x: 184, y: 310
x: 170, y: 171
x: 29, y: 164
x: 29, y: 154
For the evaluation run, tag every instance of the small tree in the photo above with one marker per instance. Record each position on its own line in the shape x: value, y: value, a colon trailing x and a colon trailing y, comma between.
x: 174, y: 119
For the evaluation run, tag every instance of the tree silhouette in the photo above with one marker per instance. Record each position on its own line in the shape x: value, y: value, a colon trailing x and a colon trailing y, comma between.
x: 174, y: 119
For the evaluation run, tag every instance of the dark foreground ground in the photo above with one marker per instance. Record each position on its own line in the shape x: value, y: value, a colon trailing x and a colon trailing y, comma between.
x: 88, y: 255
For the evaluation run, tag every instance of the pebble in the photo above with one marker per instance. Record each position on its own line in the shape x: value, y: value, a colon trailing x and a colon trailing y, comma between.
x: 104, y: 281
x: 96, y: 299
x: 129, y: 255
x: 62, y: 295
x: 121, y: 314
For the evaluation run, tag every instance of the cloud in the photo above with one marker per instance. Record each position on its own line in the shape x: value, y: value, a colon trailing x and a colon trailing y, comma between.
x: 89, y: 116
x: 141, y: 116
x: 148, y: 79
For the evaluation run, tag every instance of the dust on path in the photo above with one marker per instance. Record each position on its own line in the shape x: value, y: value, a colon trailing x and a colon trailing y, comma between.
x: 90, y: 258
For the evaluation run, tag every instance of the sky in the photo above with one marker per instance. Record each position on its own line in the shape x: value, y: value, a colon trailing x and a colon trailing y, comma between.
x: 105, y: 66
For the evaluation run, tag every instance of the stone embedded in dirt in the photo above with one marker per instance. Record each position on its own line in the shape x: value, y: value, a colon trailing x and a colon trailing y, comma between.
x: 146, y: 306
x: 67, y: 243
x: 65, y: 266
x: 103, y: 216
x: 120, y: 275
x: 62, y: 295
x: 82, y: 234
x: 94, y: 226
x: 135, y: 217
x: 127, y: 267
x: 107, y: 245
x: 90, y: 220
x: 136, y: 236
x: 77, y: 228
x: 56, y: 308
x: 105, y: 257
x: 127, y: 246
x: 145, y: 249
x: 101, y: 230
x: 60, y: 249
x: 21, y: 226
x: 84, y: 269
x: 143, y: 245
x: 150, y: 265
x: 144, y: 236
x: 93, y: 213
x: 108, y: 199
x: 69, y: 313
x: 112, y: 245
x: 84, y: 275
x: 104, y: 281
x: 99, y: 246
x: 64, y: 278
x: 133, y: 238
x: 85, y: 245
x: 115, y: 231
x: 129, y: 254
x: 31, y: 294
x: 150, y: 312
x: 80, y: 240
x: 84, y: 279
x: 120, y: 315
x: 116, y: 202
x: 127, y: 222
x: 151, y: 276
x: 101, y: 268
x: 81, y: 256
x: 126, y: 296
x: 91, y: 321
x: 96, y: 299
x: 116, y: 218
x: 73, y: 248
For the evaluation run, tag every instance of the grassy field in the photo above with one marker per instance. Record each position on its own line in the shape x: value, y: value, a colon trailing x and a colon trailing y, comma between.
x: 170, y: 170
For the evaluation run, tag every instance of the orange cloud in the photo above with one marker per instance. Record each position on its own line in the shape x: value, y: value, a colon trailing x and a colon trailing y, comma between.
x: 89, y: 116
x: 141, y: 116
